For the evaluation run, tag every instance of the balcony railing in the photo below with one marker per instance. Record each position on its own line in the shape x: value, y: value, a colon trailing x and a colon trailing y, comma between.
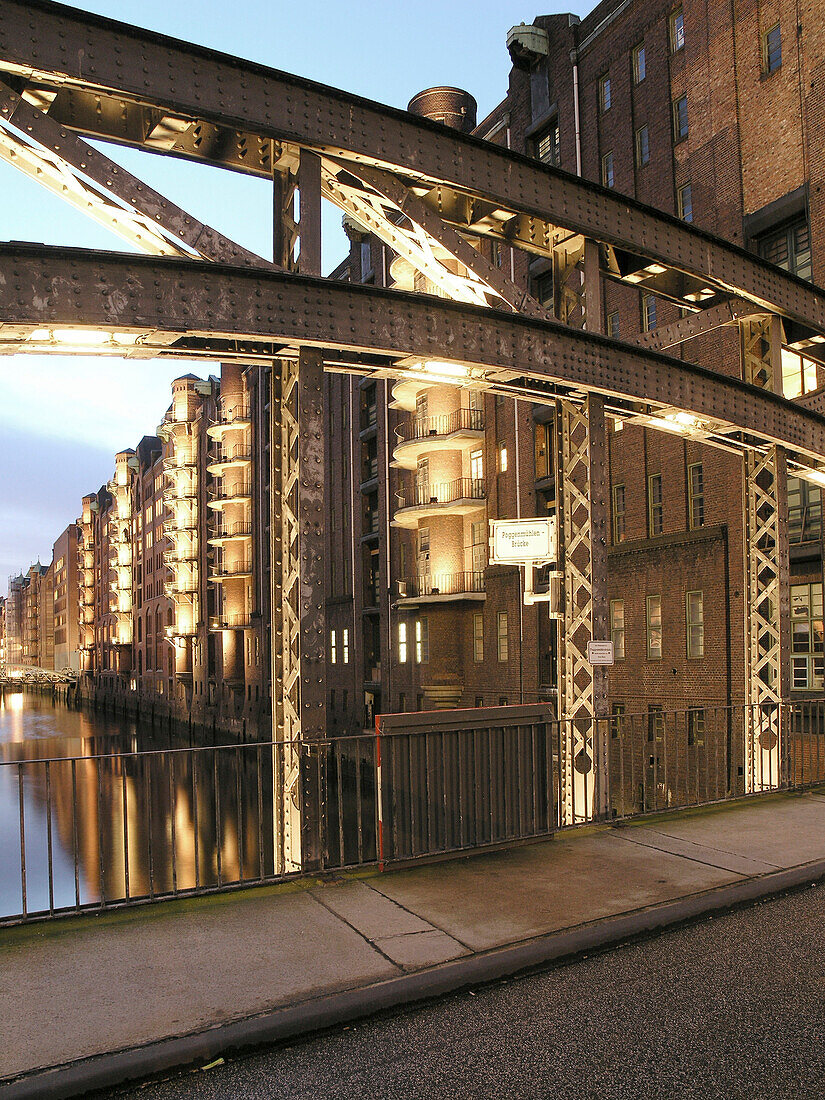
x: 445, y: 492
x: 240, y: 489
x: 422, y: 427
x: 231, y: 568
x: 240, y: 529
x: 442, y: 584
x: 238, y: 621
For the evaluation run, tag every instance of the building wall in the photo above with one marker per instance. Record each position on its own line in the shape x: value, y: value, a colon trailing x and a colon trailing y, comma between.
x: 66, y: 617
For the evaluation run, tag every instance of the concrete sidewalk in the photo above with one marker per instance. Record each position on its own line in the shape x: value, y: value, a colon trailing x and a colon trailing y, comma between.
x: 88, y: 1002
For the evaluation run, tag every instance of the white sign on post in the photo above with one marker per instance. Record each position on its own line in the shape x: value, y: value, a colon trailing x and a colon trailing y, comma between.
x: 520, y: 541
x: 600, y: 653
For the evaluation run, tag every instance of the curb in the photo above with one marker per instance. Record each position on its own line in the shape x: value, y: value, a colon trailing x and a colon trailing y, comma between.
x: 105, y: 1071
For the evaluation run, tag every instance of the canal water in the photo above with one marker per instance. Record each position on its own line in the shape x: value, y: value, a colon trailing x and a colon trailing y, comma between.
x: 97, y: 808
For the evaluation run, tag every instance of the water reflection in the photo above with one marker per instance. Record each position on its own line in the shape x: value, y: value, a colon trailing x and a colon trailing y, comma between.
x: 84, y: 819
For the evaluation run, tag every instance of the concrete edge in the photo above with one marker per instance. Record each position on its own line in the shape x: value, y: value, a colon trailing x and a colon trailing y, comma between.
x: 106, y: 1071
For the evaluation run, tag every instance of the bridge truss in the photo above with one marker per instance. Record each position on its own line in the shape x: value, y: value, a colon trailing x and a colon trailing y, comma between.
x: 429, y: 193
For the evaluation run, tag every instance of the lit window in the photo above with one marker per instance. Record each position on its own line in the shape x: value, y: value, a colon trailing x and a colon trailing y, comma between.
x: 639, y: 64
x: 771, y: 50
x: 677, y: 30
x: 607, y: 170
x: 655, y: 723
x: 543, y: 443
x: 613, y: 324
x: 478, y: 638
x: 502, y: 458
x: 333, y: 648
x: 649, y: 312
x: 477, y: 465
x: 654, y: 627
x: 547, y: 147
x: 402, y: 643
x: 680, y: 118
x: 617, y: 719
x: 685, y: 203
x: 695, y: 613
x: 618, y: 514
x: 806, y: 637
x: 503, y: 641
x: 422, y: 641
x: 642, y: 147
x: 655, y: 516
x: 617, y: 628
x: 798, y: 374
x: 696, y: 495
x: 604, y: 93
x: 346, y: 646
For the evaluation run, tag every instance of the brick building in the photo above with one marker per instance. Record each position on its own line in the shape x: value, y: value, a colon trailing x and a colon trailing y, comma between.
x: 716, y: 121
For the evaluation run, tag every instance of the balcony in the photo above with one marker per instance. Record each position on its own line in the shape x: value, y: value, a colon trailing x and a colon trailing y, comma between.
x: 233, y: 457
x: 222, y: 496
x: 181, y: 554
x: 226, y: 532
x: 241, y: 620
x: 183, y: 587
x: 451, y: 432
x: 442, y: 587
x: 458, y: 498
x: 229, y: 570
x: 231, y: 418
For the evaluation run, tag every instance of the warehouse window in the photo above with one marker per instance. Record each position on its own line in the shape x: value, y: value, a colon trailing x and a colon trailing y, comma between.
x: 402, y: 643
x: 617, y: 628
x: 604, y: 93
x: 789, y: 247
x: 543, y: 444
x: 639, y: 64
x: 333, y: 648
x: 618, y: 514
x: 617, y: 719
x: 798, y: 374
x: 804, y: 511
x: 613, y: 324
x: 346, y: 646
x: 695, y: 615
x: 807, y: 661
x: 680, y: 118
x: 503, y: 640
x: 546, y: 147
x: 607, y: 170
x: 502, y: 458
x: 478, y: 638
x: 696, y: 726
x: 648, y: 312
x: 771, y: 50
x: 422, y: 641
x: 696, y: 495
x: 654, y: 627
x: 642, y: 147
x: 684, y: 197
x: 655, y: 505
x: 677, y: 30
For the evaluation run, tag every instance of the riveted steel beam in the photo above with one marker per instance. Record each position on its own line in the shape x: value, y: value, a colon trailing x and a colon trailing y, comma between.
x: 696, y: 324
x: 146, y: 79
x: 180, y: 304
x: 76, y: 172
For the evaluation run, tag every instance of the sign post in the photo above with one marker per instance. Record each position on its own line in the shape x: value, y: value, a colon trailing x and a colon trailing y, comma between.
x: 529, y: 543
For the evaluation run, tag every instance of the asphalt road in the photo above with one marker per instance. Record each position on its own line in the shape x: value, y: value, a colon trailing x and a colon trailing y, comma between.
x: 731, y: 1007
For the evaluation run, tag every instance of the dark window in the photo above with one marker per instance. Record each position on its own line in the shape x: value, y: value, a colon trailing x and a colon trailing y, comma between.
x: 604, y: 93
x: 547, y: 147
x: 618, y: 514
x: 680, y: 118
x: 696, y: 495
x: 617, y: 719
x: 542, y: 288
x: 655, y: 505
x: 696, y: 726
x: 677, y: 30
x: 642, y: 147
x: 607, y: 170
x: 613, y: 324
x: 804, y: 512
x: 789, y: 247
x: 685, y: 203
x: 639, y: 64
x: 772, y: 50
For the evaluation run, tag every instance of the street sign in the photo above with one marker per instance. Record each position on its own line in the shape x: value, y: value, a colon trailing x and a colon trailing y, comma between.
x: 600, y: 653
x: 520, y: 541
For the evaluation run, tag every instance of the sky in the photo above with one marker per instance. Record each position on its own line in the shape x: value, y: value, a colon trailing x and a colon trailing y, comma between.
x: 61, y: 419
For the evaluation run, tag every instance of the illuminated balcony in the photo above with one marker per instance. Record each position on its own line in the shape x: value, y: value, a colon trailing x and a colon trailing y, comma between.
x: 222, y: 496
x: 230, y: 419
x: 180, y: 554
x: 442, y: 587
x: 233, y: 457
x: 181, y: 587
x: 453, y: 431
x: 184, y: 630
x: 184, y: 517
x: 448, y: 498
x: 229, y: 570
x: 227, y: 532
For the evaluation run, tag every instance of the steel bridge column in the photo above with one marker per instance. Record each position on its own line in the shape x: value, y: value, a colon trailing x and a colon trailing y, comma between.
x: 767, y: 610
x: 297, y: 561
x: 582, y: 515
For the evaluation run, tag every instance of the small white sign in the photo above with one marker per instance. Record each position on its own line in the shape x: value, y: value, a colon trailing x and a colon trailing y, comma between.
x: 600, y: 653
x: 516, y: 541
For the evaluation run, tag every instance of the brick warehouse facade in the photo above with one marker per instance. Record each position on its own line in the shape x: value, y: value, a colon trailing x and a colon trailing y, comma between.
x: 713, y: 116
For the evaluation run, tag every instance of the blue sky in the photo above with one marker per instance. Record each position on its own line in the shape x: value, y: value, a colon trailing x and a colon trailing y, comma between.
x: 61, y: 420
